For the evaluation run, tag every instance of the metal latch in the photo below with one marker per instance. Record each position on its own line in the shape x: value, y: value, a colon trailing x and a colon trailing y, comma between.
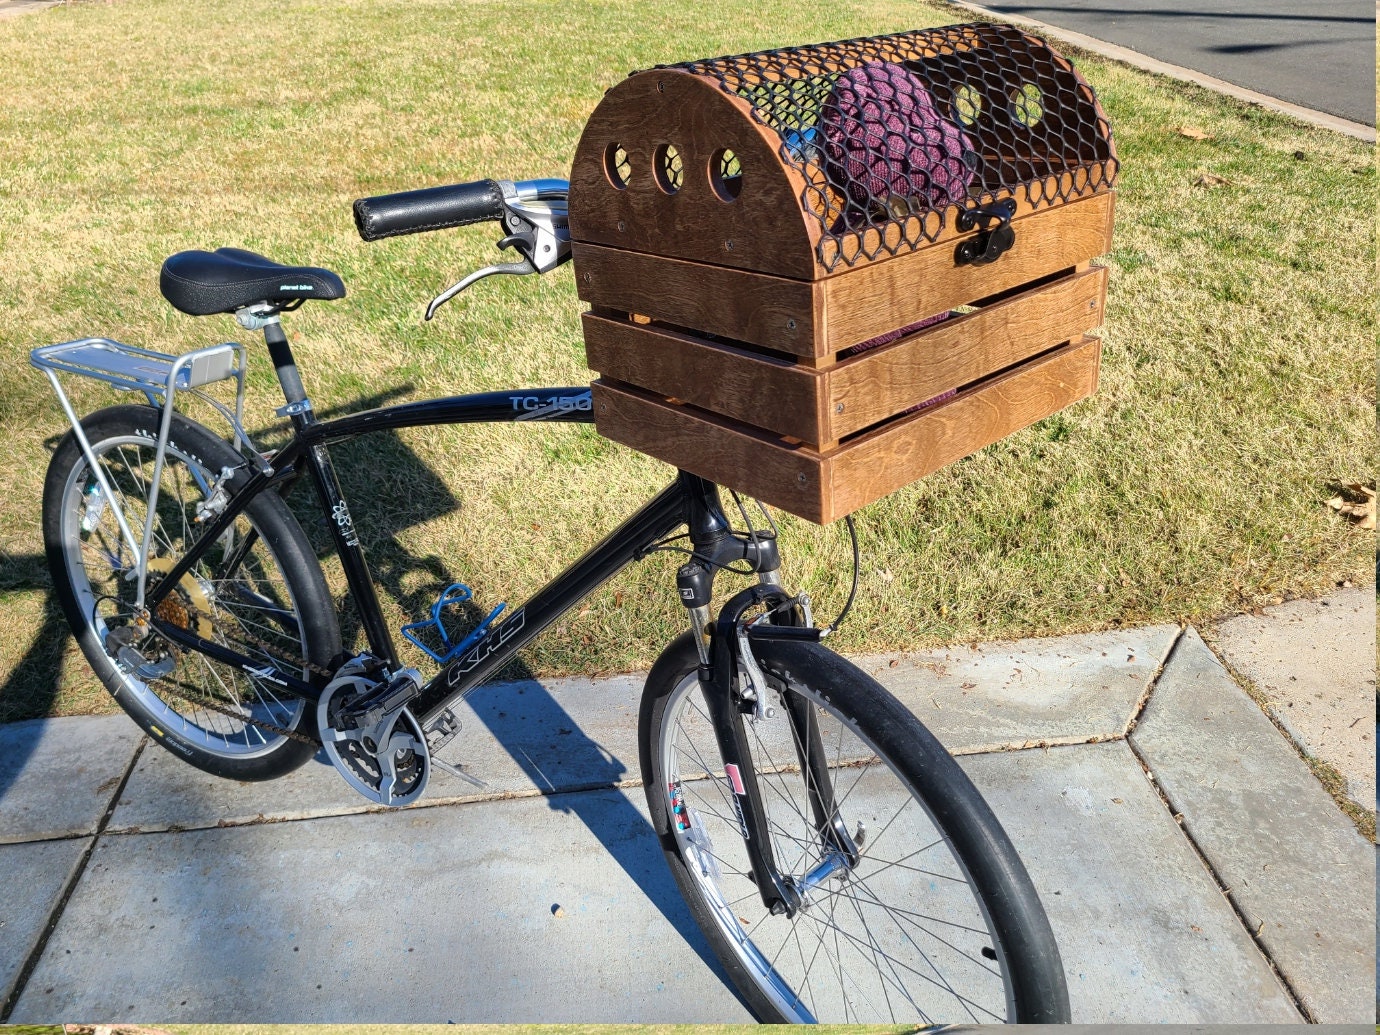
x: 994, y: 234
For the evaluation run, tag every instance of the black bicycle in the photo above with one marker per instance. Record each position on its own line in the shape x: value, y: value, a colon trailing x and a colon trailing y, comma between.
x: 839, y: 861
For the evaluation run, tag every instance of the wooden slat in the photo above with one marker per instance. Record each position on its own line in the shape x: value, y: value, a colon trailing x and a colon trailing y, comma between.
x: 823, y: 405
x: 895, y: 455
x: 731, y: 454
x: 775, y: 394
x: 878, y: 383
x: 825, y: 487
x: 815, y: 319
x: 874, y: 299
x: 754, y: 307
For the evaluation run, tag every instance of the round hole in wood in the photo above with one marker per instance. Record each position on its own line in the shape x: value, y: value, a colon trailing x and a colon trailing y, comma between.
x: 1027, y: 105
x: 617, y: 166
x: 967, y: 104
x: 667, y: 168
x: 726, y: 175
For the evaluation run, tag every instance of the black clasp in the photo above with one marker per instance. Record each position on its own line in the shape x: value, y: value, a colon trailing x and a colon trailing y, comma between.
x: 994, y: 234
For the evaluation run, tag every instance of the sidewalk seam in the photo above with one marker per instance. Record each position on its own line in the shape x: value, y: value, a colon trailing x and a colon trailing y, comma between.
x: 1259, y: 698
x: 1178, y: 817
x: 21, y: 980
x: 1152, y: 683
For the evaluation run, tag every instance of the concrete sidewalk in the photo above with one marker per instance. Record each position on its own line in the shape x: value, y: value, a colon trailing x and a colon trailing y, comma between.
x: 1193, y: 868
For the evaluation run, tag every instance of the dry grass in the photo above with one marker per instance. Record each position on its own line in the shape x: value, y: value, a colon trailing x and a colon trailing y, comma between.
x: 1237, y: 389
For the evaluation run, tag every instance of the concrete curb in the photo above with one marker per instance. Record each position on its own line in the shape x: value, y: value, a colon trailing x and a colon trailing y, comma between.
x: 1133, y: 57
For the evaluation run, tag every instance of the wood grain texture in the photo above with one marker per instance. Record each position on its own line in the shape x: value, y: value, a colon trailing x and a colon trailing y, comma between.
x: 881, y: 382
x: 731, y: 454
x: 773, y: 312
x: 765, y: 228
x: 814, y: 319
x: 880, y: 462
x: 823, y: 405
x: 770, y: 393
x: 823, y: 487
x: 874, y: 299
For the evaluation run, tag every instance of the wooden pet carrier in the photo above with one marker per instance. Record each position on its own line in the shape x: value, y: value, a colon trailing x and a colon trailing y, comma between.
x: 818, y: 274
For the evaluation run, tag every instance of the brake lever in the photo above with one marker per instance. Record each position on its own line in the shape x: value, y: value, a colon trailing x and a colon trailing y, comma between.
x: 524, y: 243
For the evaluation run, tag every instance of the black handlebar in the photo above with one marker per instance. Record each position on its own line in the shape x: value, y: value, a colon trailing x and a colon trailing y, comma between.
x: 433, y: 208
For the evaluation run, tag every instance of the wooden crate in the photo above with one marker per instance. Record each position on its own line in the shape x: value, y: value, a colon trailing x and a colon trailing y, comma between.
x: 747, y: 283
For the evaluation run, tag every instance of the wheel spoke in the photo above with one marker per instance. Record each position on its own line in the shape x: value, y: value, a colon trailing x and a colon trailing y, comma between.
x: 250, y: 610
x: 891, y: 939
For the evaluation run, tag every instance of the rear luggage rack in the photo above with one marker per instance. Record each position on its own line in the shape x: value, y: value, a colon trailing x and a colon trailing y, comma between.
x: 159, y: 376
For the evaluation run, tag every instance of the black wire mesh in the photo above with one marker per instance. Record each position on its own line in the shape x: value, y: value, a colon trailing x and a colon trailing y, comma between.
x: 895, y: 134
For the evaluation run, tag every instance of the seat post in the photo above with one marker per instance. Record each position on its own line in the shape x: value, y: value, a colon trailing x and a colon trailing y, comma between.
x: 294, y: 392
x: 283, y: 362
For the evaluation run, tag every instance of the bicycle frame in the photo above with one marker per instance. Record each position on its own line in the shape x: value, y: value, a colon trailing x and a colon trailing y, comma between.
x: 687, y: 500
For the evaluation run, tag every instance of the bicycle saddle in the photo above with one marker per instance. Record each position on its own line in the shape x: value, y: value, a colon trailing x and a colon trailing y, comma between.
x: 200, y: 283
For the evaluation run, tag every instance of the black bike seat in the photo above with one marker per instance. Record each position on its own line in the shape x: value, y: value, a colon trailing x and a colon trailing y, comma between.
x: 200, y: 283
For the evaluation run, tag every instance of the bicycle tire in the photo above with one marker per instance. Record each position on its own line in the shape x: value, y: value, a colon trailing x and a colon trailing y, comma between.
x: 276, y: 594
x: 964, y: 939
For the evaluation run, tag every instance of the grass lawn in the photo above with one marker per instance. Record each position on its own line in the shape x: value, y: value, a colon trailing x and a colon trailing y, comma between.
x: 1238, y: 379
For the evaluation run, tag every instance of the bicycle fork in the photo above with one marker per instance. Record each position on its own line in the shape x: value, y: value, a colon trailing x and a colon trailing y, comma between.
x: 727, y: 664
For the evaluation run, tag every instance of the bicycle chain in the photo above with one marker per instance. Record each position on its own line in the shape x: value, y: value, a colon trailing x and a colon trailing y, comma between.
x: 274, y: 652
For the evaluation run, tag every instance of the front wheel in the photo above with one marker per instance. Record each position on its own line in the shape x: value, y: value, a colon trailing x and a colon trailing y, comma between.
x: 937, y: 922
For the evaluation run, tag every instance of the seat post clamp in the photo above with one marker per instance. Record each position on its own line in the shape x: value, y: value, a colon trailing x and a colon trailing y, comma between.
x: 256, y: 317
x: 292, y: 409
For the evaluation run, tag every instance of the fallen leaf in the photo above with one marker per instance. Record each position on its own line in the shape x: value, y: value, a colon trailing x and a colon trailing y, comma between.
x: 1194, y: 133
x: 1362, y: 511
x: 1210, y: 180
x: 618, y: 598
x: 885, y: 575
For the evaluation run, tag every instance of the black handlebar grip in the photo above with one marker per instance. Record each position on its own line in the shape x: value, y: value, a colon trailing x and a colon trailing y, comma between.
x: 433, y: 208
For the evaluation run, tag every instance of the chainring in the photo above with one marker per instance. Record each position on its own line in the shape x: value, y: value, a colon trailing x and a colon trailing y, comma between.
x: 387, y: 763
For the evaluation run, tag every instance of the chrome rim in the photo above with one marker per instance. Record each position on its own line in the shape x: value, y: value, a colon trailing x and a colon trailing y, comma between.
x: 256, y: 601
x: 901, y: 937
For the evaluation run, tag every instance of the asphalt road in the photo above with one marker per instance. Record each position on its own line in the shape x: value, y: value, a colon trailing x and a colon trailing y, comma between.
x: 1319, y: 54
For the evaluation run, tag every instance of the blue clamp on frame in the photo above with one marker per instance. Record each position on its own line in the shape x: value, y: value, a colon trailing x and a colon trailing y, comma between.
x: 455, y: 593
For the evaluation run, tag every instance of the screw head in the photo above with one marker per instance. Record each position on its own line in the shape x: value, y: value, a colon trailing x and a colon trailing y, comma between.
x: 622, y: 226
x: 838, y: 408
x: 790, y: 325
x: 728, y: 246
x: 801, y: 478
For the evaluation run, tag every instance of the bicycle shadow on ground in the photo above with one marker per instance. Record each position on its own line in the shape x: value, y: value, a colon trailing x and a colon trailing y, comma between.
x: 537, y: 732
x: 524, y: 717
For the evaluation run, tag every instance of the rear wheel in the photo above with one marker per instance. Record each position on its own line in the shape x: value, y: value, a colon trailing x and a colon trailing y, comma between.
x: 936, y: 922
x: 258, y: 590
